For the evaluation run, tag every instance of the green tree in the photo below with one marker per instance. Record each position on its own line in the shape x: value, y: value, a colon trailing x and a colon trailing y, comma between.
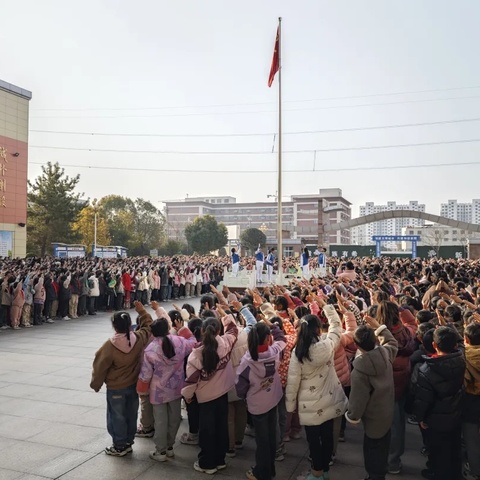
x: 53, y: 207
x: 172, y: 247
x: 251, y: 238
x: 205, y: 234
x: 84, y: 227
x: 137, y: 225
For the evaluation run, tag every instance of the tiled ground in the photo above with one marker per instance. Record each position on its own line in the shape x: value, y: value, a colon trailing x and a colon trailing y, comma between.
x: 52, y: 426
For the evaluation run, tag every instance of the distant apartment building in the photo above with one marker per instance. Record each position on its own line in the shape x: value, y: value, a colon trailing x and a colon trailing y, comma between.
x: 436, y: 236
x: 362, y: 235
x: 299, y: 215
x: 464, y: 212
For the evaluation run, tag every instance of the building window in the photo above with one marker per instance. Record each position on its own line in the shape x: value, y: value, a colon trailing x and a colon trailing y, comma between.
x: 288, y: 251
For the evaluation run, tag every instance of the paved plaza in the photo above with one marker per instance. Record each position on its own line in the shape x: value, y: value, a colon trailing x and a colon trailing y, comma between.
x: 52, y: 426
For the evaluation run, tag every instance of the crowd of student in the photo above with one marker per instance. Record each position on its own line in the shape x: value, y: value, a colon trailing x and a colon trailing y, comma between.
x: 40, y: 290
x: 378, y: 341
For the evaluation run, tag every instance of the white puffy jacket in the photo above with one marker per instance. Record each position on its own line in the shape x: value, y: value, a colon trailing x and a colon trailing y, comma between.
x: 314, y: 384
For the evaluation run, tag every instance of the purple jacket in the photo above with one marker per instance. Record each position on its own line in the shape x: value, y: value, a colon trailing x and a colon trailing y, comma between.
x: 258, y: 380
x: 166, y: 376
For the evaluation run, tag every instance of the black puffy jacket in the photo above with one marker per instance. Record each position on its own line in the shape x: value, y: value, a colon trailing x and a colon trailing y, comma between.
x: 439, y: 391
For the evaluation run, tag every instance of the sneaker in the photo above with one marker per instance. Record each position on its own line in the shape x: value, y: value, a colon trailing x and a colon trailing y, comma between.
x: 223, y: 466
x: 250, y: 475
x: 280, y: 453
x: 341, y: 437
x: 141, y: 433
x: 28, y: 326
x: 249, y: 431
x: 189, y: 438
x: 395, y: 470
x: 332, y: 460
x: 231, y: 453
x: 427, y: 473
x: 66, y: 318
x: 15, y: 328
x: 412, y: 420
x: 158, y: 456
x: 424, y: 451
x: 5, y: 327
x: 129, y: 447
x: 170, y: 452
x: 209, y: 471
x: 50, y: 321
x: 116, y: 452
x: 238, y: 445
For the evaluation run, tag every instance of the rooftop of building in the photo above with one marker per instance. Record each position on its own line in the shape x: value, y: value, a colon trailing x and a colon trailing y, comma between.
x: 10, y: 88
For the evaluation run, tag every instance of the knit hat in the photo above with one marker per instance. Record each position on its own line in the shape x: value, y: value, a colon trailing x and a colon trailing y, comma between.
x: 268, y: 311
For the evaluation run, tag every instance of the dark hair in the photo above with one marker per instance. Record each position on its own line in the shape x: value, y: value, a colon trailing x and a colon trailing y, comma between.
x: 207, y: 299
x: 309, y: 332
x: 277, y: 321
x: 256, y: 337
x: 427, y: 341
x: 364, y: 337
x: 195, y: 326
x: 174, y: 315
x: 160, y: 328
x: 453, y: 312
x: 445, y: 339
x: 189, y: 308
x: 210, y: 358
x: 388, y: 314
x: 381, y: 296
x: 207, y: 314
x: 349, y: 265
x: 282, y: 302
x: 424, y: 316
x: 423, y: 328
x: 472, y: 332
x: 301, y: 311
x: 122, y: 322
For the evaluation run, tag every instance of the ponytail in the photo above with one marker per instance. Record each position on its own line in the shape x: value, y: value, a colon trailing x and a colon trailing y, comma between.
x: 210, y: 358
x: 160, y: 329
x: 122, y: 322
x: 309, y: 330
x: 256, y: 337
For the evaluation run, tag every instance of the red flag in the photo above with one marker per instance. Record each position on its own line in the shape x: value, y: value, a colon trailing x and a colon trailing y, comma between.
x: 275, y: 60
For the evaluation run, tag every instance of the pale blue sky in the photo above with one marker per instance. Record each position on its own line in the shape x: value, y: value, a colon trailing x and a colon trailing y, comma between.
x: 118, y: 54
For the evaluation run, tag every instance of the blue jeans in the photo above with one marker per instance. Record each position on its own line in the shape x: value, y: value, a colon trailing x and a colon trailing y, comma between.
x: 122, y: 412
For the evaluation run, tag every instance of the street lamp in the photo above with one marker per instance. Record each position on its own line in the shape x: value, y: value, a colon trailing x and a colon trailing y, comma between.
x: 263, y: 228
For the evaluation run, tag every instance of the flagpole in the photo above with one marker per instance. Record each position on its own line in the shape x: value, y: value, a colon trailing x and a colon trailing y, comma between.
x: 279, y: 187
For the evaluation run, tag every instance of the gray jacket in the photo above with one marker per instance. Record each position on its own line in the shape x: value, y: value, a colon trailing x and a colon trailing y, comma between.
x: 372, y: 397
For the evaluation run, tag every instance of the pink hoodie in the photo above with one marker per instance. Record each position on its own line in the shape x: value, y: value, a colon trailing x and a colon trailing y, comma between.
x: 209, y: 387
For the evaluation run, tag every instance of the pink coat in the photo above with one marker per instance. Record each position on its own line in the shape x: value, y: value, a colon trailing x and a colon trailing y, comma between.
x: 209, y: 387
x: 342, y: 365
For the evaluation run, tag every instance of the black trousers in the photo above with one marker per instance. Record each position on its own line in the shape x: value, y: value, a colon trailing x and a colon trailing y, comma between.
x: 320, y: 443
x: 213, y: 432
x: 47, y: 308
x: 63, y: 307
x: 375, y: 456
x: 266, y: 440
x: 37, y: 313
x: 91, y: 305
x: 193, y: 412
x: 446, y: 453
x: 82, y: 305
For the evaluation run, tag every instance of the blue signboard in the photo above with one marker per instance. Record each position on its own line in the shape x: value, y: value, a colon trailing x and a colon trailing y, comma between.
x: 396, y: 238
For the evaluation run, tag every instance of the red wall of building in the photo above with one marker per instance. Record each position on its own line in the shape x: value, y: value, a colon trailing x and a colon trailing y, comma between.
x: 14, y: 173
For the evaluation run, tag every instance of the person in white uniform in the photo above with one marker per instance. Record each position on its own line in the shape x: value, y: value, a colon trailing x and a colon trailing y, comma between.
x: 270, y: 261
